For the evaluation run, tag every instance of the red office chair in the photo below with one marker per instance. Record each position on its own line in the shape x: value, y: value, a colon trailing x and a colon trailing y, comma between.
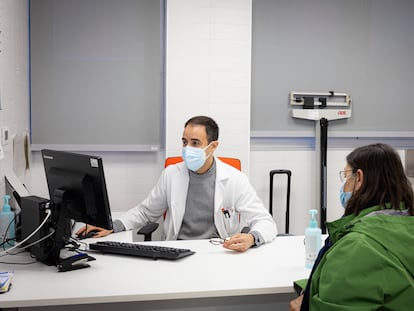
x: 231, y: 161
x: 148, y: 229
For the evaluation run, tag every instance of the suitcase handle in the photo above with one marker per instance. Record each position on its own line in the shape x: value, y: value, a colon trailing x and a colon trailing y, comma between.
x: 287, y: 215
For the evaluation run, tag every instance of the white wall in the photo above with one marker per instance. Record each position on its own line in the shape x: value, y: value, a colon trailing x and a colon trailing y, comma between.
x: 14, y: 84
x: 208, y: 62
x: 198, y: 78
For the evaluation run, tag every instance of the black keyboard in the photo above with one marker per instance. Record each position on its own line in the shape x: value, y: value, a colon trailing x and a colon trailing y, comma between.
x: 140, y: 250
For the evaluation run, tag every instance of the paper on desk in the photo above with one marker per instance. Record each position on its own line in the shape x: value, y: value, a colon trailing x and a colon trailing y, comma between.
x: 16, y: 183
x: 5, y: 281
x: 21, y: 155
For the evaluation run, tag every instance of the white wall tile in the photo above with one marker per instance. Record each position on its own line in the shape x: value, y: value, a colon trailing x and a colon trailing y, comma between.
x: 234, y: 4
x: 230, y: 95
x: 195, y: 4
x: 230, y: 48
x: 230, y: 15
x: 228, y: 79
x: 230, y: 32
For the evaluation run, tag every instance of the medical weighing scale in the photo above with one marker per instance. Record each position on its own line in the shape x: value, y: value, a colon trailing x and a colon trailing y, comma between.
x: 321, y: 107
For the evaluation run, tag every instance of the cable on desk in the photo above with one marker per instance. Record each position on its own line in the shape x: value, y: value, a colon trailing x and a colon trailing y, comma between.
x: 23, y: 248
x: 7, y: 251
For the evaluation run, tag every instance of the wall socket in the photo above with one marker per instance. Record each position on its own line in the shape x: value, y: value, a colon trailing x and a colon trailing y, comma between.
x: 5, y: 135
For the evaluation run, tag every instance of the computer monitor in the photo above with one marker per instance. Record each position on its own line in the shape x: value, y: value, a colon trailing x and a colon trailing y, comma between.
x: 77, y: 190
x: 77, y: 181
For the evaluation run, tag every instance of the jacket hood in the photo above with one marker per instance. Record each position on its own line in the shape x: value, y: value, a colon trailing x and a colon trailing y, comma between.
x: 393, y: 232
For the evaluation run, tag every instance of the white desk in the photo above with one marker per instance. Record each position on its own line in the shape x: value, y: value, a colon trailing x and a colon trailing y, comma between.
x: 208, y: 277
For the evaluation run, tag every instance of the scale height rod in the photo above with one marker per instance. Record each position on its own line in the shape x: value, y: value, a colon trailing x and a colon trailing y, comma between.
x: 324, y: 147
x: 318, y: 166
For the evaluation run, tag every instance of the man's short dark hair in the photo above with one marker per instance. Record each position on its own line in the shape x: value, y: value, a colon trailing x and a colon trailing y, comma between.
x: 210, y: 125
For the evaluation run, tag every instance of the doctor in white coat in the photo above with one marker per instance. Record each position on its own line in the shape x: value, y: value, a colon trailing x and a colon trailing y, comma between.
x: 201, y: 197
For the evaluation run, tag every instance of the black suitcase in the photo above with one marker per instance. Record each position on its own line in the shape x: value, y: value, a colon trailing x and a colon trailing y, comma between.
x: 289, y: 174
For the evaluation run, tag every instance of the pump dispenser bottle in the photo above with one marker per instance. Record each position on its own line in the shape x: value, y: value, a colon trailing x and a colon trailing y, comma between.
x: 7, y: 231
x: 313, y: 240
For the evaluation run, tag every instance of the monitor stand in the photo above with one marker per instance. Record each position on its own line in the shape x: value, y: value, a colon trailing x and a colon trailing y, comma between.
x: 64, y: 256
x: 60, y: 251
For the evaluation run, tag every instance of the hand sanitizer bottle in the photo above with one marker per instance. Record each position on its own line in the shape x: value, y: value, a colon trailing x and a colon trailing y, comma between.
x: 7, y: 232
x: 313, y: 240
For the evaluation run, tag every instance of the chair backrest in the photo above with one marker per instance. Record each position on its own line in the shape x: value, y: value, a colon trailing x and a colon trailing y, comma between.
x: 231, y: 161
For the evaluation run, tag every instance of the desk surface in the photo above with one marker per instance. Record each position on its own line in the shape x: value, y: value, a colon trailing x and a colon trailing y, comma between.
x: 212, y: 272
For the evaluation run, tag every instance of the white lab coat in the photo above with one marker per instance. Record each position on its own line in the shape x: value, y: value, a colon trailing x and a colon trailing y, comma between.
x: 233, y: 193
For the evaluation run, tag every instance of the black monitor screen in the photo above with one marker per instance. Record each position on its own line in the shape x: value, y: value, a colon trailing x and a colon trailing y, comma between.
x: 76, y: 182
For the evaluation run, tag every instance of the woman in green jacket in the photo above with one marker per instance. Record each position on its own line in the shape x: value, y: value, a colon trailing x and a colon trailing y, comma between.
x: 367, y: 262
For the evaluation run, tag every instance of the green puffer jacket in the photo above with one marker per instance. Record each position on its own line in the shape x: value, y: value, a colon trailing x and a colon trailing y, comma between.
x: 370, y: 265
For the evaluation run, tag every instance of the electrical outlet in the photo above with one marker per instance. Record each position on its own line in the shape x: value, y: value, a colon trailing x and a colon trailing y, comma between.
x: 5, y: 135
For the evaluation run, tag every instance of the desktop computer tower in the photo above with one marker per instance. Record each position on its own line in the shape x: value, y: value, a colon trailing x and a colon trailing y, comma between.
x: 33, y: 213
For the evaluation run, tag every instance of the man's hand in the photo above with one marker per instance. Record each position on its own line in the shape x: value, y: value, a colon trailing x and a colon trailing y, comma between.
x: 295, y: 304
x: 239, y: 242
x: 100, y: 232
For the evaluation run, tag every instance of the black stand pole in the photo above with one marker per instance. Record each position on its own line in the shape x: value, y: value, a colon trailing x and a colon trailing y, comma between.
x: 324, y: 147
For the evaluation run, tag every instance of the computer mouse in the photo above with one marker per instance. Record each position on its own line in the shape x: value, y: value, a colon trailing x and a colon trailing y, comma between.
x: 88, y: 235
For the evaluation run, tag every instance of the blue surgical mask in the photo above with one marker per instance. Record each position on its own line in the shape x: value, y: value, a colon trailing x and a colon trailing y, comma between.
x: 194, y: 157
x: 344, y: 196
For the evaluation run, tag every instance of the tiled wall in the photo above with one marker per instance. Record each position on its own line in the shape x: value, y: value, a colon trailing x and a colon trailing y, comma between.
x: 208, y: 57
x: 14, y: 87
x: 214, y: 84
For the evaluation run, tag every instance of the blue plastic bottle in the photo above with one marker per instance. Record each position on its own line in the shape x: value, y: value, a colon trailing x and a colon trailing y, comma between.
x: 7, y: 221
x: 313, y: 240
